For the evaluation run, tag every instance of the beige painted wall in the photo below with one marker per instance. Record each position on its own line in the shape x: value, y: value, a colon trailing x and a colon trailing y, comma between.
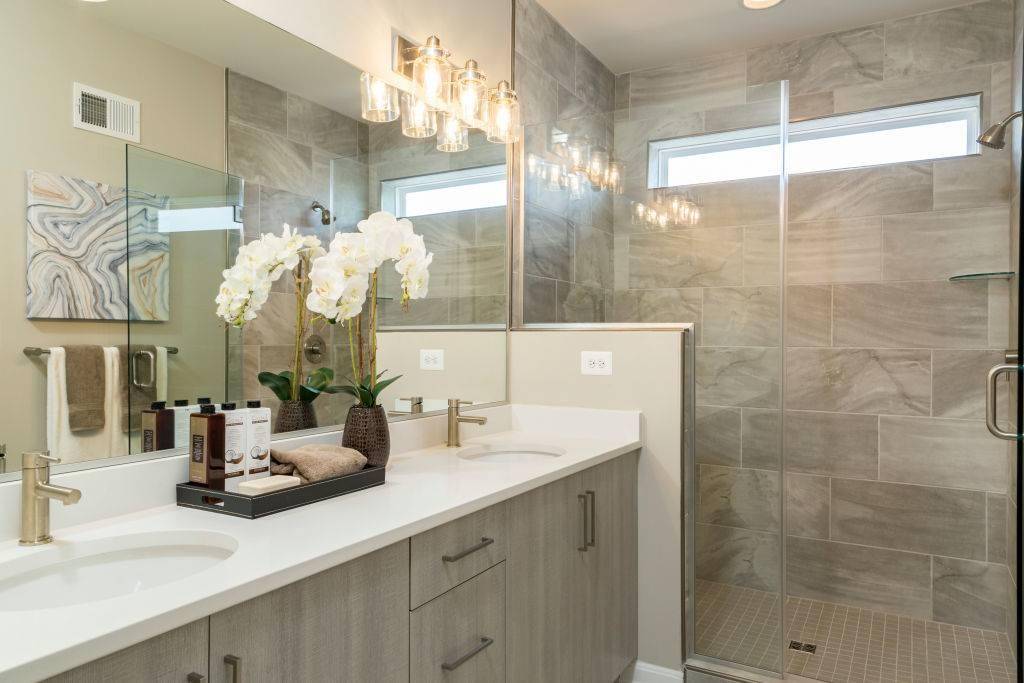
x: 647, y: 367
x: 51, y: 44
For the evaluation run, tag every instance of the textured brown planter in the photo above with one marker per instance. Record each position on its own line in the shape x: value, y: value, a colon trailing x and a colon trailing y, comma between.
x: 366, y: 430
x: 295, y: 415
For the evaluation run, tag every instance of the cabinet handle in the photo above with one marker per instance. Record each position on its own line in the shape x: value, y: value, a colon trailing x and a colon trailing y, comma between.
x: 195, y: 678
x: 583, y: 509
x: 485, y: 643
x: 484, y: 542
x: 236, y: 667
x: 592, y: 540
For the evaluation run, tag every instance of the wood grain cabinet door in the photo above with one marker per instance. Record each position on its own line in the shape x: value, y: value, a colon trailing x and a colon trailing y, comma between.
x: 349, y: 623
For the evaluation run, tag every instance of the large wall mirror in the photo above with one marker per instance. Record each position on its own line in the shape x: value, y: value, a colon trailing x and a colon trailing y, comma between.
x: 151, y: 144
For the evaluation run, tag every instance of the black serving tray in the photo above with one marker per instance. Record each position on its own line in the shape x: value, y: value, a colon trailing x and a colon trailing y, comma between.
x: 251, y: 507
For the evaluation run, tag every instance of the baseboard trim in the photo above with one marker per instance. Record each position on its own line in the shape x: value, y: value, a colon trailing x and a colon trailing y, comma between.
x: 645, y: 672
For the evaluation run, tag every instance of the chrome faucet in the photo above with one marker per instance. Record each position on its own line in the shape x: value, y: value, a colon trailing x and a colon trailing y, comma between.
x: 36, y: 492
x: 454, y: 418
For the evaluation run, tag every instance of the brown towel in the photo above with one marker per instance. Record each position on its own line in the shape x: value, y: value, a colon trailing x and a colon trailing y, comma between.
x: 85, y: 377
x: 135, y: 399
x: 316, y: 462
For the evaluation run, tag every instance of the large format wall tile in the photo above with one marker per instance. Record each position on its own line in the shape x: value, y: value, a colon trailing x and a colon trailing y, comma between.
x: 940, y: 244
x: 889, y: 381
x: 997, y: 528
x: 694, y: 85
x: 820, y: 63
x: 632, y: 137
x: 576, y: 303
x: 761, y: 438
x: 978, y: 33
x: 937, y: 452
x: 743, y: 498
x: 832, y: 444
x: 739, y: 557
x: 916, y: 518
x: 958, y: 382
x: 717, y: 435
x: 547, y: 244
x: 969, y: 593
x: 544, y: 41
x: 752, y: 201
x: 967, y: 182
x: 809, y: 315
x: 835, y: 251
x: 761, y: 255
x: 744, y: 376
x: 537, y: 92
x: 592, y: 257
x: 873, y: 191
x: 918, y: 88
x: 687, y: 258
x: 595, y: 84
x: 315, y: 125
x: 257, y: 104
x: 872, y: 578
x: 658, y: 305
x: 807, y: 499
x: 268, y: 159
x: 911, y: 315
x: 741, y: 316
x: 538, y: 300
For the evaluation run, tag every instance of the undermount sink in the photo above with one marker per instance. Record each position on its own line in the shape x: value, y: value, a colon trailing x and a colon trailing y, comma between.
x: 71, y: 573
x: 509, y: 452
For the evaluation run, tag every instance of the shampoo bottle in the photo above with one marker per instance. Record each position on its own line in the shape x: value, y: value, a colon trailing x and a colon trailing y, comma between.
x: 234, y: 446
x: 157, y: 427
x: 206, y: 448
x: 257, y: 440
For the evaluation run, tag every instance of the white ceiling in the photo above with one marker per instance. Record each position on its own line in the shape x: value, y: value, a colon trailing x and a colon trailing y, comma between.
x: 637, y: 34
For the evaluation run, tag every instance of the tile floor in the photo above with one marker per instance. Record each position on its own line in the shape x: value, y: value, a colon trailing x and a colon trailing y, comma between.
x: 853, y: 644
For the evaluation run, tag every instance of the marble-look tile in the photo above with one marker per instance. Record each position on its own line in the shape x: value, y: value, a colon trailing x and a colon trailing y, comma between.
x: 686, y: 258
x: 537, y: 92
x: 1000, y: 315
x: 801, y: 107
x: 268, y: 159
x: 543, y: 41
x: 595, y: 84
x: 969, y: 593
x: 744, y: 376
x: 547, y: 244
x: 475, y: 271
x: 317, y: 126
x: 921, y: 519
x: 538, y: 300
x: 832, y: 444
x: 888, y: 381
x: 820, y: 63
x: 476, y: 310
x: 997, y: 528
x: 275, y: 325
x: 576, y: 303
x: 592, y: 257
x: 450, y: 230
x: 871, y: 578
x: 809, y: 315
x: 739, y: 116
x: 740, y: 316
x: 978, y: 33
x: 622, y: 96
x: 694, y: 85
x: 739, y: 557
x: 430, y: 311
x: 752, y: 201
x: 874, y: 191
x: 940, y: 244
x: 251, y: 369
x: 633, y: 137
x: 717, y: 435
x: 657, y: 305
x: 939, y: 452
x: 807, y: 500
x: 251, y: 212
x: 1001, y: 104
x: 761, y: 256
x: 257, y: 104
x: 911, y: 315
x: 278, y: 207
x: 919, y: 88
x: 491, y: 226
x: 350, y: 196
x: 570, y: 106
x: 958, y: 382
x: 761, y: 438
x: 744, y: 498
x: 973, y: 181
x: 835, y: 251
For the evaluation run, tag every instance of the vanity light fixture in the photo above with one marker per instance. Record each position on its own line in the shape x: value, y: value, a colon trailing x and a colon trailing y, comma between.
x: 760, y: 4
x: 452, y: 134
x: 418, y: 120
x: 597, y: 170
x: 469, y: 92
x: 378, y: 99
x: 431, y: 73
x: 503, y: 114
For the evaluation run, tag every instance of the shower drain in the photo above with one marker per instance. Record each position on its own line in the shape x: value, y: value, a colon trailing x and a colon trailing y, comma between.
x: 803, y: 647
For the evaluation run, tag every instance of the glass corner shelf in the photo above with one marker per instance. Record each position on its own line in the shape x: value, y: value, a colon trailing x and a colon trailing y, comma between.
x: 997, y: 275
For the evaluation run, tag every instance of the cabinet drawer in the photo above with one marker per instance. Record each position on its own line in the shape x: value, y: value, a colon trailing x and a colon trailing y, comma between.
x: 460, y: 636
x: 442, y: 558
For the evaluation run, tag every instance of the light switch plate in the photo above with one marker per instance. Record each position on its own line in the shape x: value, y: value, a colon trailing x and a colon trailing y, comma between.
x: 596, y: 362
x: 431, y: 359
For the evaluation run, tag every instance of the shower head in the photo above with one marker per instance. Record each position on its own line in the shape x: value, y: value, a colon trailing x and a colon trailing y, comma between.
x: 995, y: 136
x: 325, y: 213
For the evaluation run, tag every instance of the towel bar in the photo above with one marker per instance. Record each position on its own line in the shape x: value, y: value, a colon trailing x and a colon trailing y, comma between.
x: 31, y: 351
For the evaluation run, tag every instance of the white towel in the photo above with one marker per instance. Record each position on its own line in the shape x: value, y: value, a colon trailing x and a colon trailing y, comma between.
x: 89, y: 445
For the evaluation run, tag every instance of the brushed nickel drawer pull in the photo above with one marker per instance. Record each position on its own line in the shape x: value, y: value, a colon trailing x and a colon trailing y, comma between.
x: 583, y: 508
x: 485, y: 643
x: 236, y: 667
x: 484, y: 542
x: 592, y: 540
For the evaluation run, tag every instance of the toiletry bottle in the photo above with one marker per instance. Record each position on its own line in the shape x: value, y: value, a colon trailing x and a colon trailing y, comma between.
x: 206, y: 447
x: 203, y: 401
x: 181, y: 412
x: 257, y: 440
x: 157, y: 427
x: 234, y: 446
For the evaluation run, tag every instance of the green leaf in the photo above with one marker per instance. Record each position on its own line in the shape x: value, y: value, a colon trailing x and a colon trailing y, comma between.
x: 351, y: 390
x: 382, y: 385
x: 307, y: 393
x: 279, y: 384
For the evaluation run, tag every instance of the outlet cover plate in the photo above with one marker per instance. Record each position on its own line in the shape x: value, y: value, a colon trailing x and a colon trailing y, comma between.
x: 596, y: 362
x: 431, y: 359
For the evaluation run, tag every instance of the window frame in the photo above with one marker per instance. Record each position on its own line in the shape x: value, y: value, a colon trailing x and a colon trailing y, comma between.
x: 393, y: 192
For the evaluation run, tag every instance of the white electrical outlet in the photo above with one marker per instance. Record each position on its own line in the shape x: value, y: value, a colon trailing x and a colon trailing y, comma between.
x: 596, y: 362
x: 431, y: 359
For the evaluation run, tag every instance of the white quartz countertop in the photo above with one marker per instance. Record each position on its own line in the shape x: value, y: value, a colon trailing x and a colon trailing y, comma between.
x: 424, y: 489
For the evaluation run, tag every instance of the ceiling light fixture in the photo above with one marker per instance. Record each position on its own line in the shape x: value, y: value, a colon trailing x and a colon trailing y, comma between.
x: 760, y: 4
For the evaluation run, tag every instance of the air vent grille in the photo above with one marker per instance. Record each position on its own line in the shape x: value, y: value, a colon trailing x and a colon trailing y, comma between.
x: 103, y: 112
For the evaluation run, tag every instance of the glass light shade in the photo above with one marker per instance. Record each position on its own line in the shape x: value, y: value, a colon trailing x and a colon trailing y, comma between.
x: 554, y: 178
x: 452, y: 134
x: 578, y: 150
x: 694, y: 214
x: 378, y: 100
x: 598, y: 166
x: 639, y: 213
x: 503, y: 115
x: 431, y: 74
x: 418, y: 120
x: 577, y: 183
x: 614, y: 182
x: 469, y: 93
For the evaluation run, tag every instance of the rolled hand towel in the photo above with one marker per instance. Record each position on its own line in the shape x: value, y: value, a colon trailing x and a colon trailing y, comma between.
x: 85, y: 376
x: 317, y: 462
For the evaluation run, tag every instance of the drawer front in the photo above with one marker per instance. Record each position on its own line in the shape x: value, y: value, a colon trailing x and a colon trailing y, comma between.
x: 442, y: 558
x: 460, y: 636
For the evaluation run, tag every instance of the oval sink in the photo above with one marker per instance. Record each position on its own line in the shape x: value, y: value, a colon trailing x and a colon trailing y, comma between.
x: 72, y: 573
x: 509, y: 452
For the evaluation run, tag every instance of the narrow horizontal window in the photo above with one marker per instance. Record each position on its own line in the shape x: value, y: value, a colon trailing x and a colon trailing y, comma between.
x: 471, y: 188
x: 913, y: 132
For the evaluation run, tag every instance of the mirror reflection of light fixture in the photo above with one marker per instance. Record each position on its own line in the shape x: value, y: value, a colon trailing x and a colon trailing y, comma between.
x: 503, y: 114
x: 469, y: 92
x: 431, y: 73
x: 378, y: 99
x: 578, y: 150
x: 452, y: 134
x: 614, y: 177
x: 598, y: 167
x: 418, y: 120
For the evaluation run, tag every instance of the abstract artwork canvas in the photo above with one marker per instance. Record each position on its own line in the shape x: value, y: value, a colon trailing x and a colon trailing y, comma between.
x: 94, y: 251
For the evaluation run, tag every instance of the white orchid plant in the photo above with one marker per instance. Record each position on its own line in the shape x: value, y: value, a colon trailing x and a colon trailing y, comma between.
x: 334, y: 285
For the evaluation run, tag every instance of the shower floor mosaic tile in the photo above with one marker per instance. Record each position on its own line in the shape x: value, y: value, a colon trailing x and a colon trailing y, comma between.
x: 853, y: 644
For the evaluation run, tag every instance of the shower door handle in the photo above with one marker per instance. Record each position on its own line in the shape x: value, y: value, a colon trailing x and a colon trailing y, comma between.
x: 134, y: 373
x: 992, y: 397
